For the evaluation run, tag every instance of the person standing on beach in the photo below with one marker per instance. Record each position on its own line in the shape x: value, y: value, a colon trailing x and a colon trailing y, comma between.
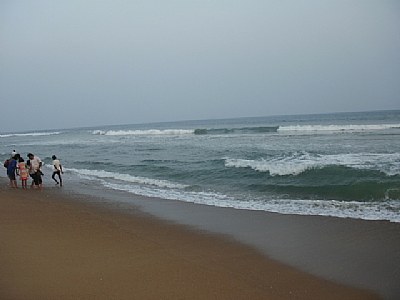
x: 57, y: 170
x: 11, y: 172
x: 7, y: 161
x: 34, y: 170
x: 23, y: 172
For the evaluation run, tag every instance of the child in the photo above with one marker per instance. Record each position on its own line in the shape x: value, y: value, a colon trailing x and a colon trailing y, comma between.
x: 23, y: 172
x: 57, y: 170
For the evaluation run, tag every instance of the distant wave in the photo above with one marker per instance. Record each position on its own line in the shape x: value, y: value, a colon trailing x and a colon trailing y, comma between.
x: 29, y: 134
x: 244, y: 130
x: 337, y: 128
x: 199, y: 131
x: 143, y: 132
x: 298, y: 163
x: 251, y: 130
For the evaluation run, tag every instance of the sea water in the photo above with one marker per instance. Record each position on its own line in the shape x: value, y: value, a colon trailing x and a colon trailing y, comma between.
x: 343, y: 164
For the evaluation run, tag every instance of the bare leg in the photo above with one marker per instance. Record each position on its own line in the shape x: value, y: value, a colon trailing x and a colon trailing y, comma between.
x: 54, y: 177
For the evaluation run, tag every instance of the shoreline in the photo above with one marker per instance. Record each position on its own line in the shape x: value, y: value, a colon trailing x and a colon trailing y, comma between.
x: 355, y: 252
x: 45, y: 257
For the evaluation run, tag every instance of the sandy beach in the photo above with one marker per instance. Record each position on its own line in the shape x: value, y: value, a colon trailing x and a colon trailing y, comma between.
x: 56, y: 246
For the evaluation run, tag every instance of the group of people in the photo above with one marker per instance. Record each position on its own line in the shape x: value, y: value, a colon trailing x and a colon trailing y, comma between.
x: 16, y: 166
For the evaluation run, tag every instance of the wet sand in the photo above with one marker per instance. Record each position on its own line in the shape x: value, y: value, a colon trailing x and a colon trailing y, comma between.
x: 55, y: 246
x: 360, y: 253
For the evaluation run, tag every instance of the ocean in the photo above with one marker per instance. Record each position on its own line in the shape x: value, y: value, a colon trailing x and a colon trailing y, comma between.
x: 345, y: 165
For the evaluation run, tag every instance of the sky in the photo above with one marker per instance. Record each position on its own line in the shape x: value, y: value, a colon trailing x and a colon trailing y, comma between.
x: 83, y: 63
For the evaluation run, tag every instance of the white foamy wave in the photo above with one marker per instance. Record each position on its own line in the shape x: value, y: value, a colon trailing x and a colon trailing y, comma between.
x: 99, y: 132
x: 298, y: 163
x: 205, y: 198
x: 274, y: 166
x: 388, y: 210
x: 127, y: 178
x: 337, y: 128
x: 143, y: 132
x: 29, y: 134
x: 385, y: 210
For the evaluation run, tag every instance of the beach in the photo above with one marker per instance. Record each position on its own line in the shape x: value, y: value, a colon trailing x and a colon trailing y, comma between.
x: 200, y: 150
x: 56, y: 246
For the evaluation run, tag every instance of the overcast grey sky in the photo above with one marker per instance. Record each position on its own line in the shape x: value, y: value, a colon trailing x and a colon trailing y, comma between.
x: 91, y: 62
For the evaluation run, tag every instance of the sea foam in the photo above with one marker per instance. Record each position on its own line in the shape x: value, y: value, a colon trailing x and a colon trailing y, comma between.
x: 297, y: 163
x: 143, y: 132
x: 28, y: 134
x: 337, y: 128
x: 387, y: 210
x: 100, y: 174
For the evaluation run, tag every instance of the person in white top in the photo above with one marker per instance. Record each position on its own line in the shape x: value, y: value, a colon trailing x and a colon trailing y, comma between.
x: 35, y: 164
x: 57, y: 170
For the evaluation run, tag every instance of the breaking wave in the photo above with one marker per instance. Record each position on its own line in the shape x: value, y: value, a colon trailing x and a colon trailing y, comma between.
x: 251, y: 130
x: 298, y: 163
x: 142, y: 132
x: 337, y: 128
x: 29, y: 134
x: 101, y: 174
x: 383, y: 210
x: 244, y: 130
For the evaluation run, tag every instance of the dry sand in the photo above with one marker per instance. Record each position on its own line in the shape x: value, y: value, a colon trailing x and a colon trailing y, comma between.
x: 57, y: 247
